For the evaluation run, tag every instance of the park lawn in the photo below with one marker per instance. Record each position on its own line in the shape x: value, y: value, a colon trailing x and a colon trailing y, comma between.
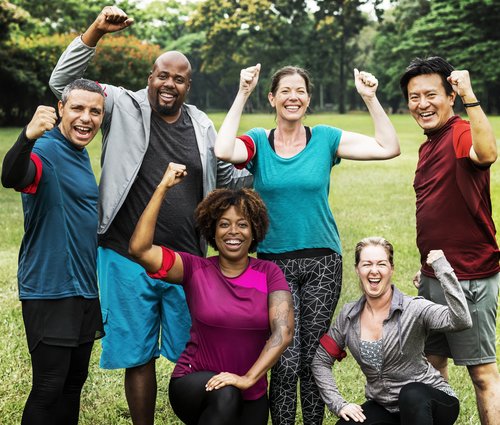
x: 374, y: 198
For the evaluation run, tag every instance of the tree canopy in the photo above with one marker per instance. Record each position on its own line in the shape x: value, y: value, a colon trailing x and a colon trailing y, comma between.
x: 327, y: 37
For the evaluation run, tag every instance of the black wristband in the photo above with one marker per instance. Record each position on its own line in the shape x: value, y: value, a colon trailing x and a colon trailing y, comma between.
x: 470, y: 105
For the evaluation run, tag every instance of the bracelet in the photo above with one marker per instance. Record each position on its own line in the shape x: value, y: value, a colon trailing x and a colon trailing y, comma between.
x: 470, y: 105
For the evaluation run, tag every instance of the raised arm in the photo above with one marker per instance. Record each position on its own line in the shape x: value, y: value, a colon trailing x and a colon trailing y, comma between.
x: 484, y: 147
x: 455, y: 316
x: 141, y: 245
x: 74, y: 61
x: 227, y: 147
x: 281, y: 323
x: 18, y: 170
x: 385, y: 144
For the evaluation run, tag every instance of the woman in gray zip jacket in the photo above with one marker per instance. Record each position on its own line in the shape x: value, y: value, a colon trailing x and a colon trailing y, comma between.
x: 385, y: 332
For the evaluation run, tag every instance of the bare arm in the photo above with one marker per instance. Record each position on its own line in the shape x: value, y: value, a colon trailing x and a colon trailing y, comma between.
x: 484, y: 147
x: 141, y: 245
x: 281, y: 322
x: 227, y: 147
x: 385, y: 144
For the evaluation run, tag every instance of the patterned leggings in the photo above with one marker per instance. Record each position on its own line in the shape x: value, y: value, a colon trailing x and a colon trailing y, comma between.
x: 315, y: 284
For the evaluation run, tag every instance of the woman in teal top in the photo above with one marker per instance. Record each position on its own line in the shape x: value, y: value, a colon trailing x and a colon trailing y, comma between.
x: 291, y: 165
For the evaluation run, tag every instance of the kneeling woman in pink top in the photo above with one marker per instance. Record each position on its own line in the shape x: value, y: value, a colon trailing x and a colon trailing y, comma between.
x: 241, y: 307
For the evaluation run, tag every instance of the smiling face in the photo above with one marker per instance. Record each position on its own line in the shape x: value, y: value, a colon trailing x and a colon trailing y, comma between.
x: 291, y: 98
x: 428, y: 102
x: 81, y: 116
x: 168, y: 84
x: 374, y: 271
x: 233, y: 234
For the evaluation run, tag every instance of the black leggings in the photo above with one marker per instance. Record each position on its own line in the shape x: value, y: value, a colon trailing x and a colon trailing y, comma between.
x: 419, y: 404
x: 194, y: 405
x: 315, y: 284
x: 58, y: 377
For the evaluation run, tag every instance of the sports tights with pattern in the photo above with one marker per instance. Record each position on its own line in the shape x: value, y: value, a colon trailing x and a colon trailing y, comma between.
x: 194, y: 405
x: 419, y: 404
x: 315, y: 284
x: 58, y: 377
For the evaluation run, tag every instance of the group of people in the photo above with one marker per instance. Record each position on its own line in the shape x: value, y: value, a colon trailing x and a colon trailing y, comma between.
x: 170, y: 185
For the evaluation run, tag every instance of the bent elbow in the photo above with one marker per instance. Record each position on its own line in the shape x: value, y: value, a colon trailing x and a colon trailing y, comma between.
x: 220, y: 154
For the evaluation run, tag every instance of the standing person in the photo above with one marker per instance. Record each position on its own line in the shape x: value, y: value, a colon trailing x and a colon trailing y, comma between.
x: 57, y: 260
x: 142, y: 132
x: 385, y: 332
x: 452, y: 186
x: 291, y: 165
x: 241, y: 307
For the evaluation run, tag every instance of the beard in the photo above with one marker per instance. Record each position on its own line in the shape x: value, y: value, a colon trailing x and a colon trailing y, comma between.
x: 167, y: 110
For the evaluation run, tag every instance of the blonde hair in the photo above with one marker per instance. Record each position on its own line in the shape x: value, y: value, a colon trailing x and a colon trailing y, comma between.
x: 374, y: 241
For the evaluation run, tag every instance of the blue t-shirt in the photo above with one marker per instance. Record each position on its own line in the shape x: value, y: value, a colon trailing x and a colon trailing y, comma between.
x: 296, y: 190
x: 58, y: 252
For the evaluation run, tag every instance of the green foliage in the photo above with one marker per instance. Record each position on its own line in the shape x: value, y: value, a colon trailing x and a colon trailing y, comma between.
x: 462, y: 31
x: 123, y: 58
x: 247, y: 32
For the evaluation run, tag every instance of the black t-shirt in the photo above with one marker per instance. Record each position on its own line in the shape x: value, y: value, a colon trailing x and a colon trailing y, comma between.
x: 175, y: 227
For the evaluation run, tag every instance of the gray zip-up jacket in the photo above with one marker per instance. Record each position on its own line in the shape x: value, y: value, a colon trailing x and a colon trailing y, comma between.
x: 403, y: 338
x: 126, y: 130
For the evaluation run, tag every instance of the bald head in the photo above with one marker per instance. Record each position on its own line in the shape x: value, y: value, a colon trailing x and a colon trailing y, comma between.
x: 173, y: 56
x: 168, y: 84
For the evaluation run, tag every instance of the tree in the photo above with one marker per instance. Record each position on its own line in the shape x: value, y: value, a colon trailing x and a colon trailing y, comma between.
x: 389, y: 61
x: 338, y: 22
x: 240, y: 33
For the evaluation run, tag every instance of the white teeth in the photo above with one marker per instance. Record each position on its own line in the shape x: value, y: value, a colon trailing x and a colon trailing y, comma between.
x: 82, y: 129
x: 426, y: 114
x: 233, y: 242
x: 292, y: 108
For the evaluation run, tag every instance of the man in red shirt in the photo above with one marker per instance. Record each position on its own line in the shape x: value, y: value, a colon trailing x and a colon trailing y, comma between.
x: 452, y: 186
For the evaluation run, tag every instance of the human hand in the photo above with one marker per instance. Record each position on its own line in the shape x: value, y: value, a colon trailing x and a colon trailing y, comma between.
x: 416, y: 279
x: 44, y: 119
x: 112, y: 19
x: 352, y: 411
x: 248, y: 79
x: 366, y: 83
x: 434, y: 255
x: 173, y: 175
x: 460, y: 82
x: 224, y: 379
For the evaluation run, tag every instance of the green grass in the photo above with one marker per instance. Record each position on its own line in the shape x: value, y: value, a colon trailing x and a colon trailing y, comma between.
x: 367, y: 198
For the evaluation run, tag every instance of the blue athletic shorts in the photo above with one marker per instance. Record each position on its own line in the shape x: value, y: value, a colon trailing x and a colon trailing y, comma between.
x: 135, y: 309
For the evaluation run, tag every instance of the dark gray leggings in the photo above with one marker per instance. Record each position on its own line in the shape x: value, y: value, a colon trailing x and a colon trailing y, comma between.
x: 419, y: 404
x: 194, y: 405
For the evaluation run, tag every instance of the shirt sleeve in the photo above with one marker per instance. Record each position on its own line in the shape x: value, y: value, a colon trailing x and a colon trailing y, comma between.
x: 21, y: 168
x: 455, y: 315
x: 276, y: 280
x: 250, y: 147
x: 321, y: 367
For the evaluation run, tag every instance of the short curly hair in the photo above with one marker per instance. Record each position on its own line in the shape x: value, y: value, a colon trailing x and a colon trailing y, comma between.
x: 246, y: 201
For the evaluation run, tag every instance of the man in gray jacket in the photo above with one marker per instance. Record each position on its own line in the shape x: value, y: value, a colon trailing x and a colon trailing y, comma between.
x: 142, y: 132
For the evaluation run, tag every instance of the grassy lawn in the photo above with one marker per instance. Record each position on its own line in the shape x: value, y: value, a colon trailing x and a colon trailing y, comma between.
x: 367, y: 198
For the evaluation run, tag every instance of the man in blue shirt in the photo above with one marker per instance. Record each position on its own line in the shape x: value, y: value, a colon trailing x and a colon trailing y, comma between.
x: 57, y: 261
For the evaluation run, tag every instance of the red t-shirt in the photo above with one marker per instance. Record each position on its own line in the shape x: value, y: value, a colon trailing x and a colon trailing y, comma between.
x: 454, y: 205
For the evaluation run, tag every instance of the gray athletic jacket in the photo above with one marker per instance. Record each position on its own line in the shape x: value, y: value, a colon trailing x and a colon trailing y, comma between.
x: 404, y: 334
x: 126, y: 129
